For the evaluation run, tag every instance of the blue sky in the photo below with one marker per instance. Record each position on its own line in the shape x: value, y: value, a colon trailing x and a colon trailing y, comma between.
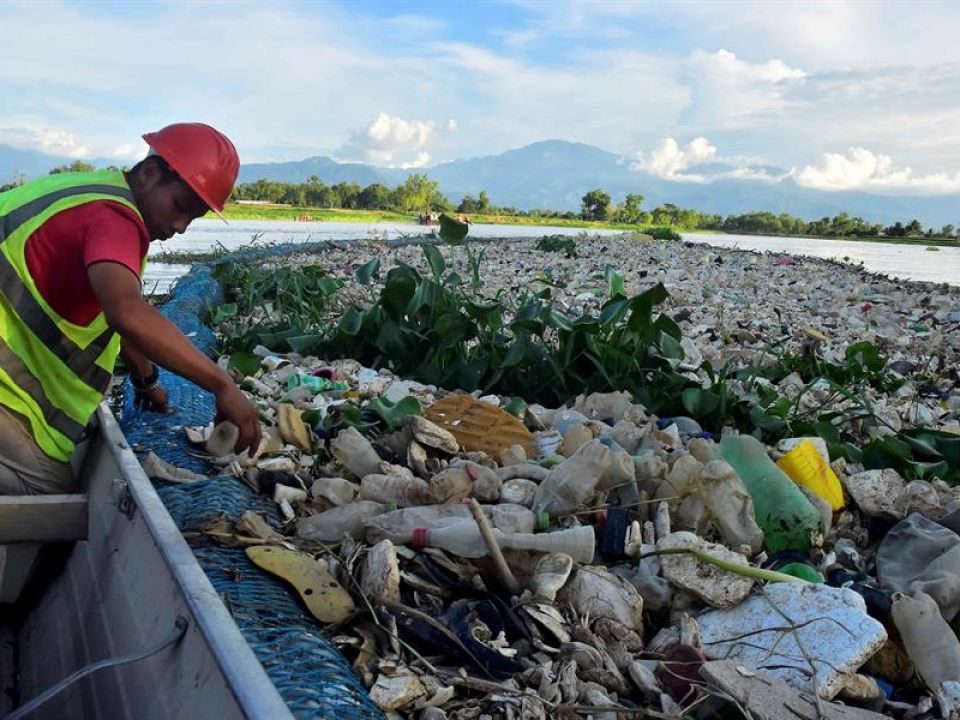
x: 837, y: 95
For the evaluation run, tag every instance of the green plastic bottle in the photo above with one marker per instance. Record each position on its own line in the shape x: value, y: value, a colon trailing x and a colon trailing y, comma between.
x: 788, y: 520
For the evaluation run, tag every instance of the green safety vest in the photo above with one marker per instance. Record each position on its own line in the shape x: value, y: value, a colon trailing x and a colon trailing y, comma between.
x: 52, y: 371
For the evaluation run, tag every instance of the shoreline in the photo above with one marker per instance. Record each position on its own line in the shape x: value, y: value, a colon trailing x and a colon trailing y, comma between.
x: 311, y: 214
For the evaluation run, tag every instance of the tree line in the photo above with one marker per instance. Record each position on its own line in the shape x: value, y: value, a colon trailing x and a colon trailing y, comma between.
x: 419, y: 193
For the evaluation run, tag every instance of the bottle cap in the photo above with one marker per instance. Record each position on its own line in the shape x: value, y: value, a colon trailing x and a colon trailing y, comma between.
x: 419, y: 539
x: 543, y: 520
x: 389, y: 507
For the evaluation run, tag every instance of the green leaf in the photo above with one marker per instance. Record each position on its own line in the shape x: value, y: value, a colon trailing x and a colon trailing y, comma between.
x: 516, y: 353
x: 351, y: 321
x: 435, y: 261
x: 670, y: 348
x: 366, y: 272
x: 765, y: 422
x: 225, y: 312
x: 244, y: 362
x: 452, y: 230
x: 615, y: 280
x: 614, y: 310
x: 699, y: 402
x: 304, y: 344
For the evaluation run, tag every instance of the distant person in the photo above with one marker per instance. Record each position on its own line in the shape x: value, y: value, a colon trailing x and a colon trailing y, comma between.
x: 73, y: 247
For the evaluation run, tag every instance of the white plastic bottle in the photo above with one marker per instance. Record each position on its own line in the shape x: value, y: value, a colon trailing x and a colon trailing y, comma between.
x: 571, y: 483
x: 398, y: 526
x: 402, y: 491
x: 462, y: 537
x: 331, y: 525
x: 930, y: 642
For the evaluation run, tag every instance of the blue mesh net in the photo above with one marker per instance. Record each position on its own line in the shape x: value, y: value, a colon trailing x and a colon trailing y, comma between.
x: 311, y: 675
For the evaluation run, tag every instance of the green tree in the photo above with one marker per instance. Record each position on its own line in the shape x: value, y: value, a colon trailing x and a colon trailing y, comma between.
x: 630, y: 210
x: 75, y: 166
x: 467, y: 205
x: 948, y: 230
x: 348, y: 194
x: 419, y: 193
x: 595, y: 205
x: 914, y: 227
x: 375, y: 196
x: 483, y: 202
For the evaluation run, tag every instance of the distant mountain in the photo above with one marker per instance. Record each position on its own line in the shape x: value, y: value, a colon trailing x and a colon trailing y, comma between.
x: 555, y: 174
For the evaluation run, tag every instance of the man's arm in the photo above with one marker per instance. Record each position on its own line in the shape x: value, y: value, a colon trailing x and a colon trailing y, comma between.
x: 150, y: 394
x: 154, y: 336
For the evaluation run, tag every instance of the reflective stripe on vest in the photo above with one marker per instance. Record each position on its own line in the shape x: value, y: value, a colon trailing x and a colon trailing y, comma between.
x: 31, y: 331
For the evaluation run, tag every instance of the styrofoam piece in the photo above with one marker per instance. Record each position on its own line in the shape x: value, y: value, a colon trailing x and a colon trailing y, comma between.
x: 833, y: 627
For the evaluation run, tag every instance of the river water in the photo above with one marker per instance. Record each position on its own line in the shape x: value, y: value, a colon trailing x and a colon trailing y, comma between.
x: 908, y: 262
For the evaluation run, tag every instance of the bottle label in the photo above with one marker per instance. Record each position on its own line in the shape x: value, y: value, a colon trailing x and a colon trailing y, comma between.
x: 419, y: 539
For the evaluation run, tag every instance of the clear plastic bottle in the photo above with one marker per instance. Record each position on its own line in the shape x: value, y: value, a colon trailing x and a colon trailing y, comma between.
x: 788, y: 520
x: 462, y: 537
x: 402, y: 491
x: 331, y: 525
x: 398, y: 526
x: 571, y: 483
x: 930, y: 642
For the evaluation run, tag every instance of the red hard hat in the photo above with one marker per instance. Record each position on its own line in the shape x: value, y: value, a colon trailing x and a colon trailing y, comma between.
x: 204, y: 157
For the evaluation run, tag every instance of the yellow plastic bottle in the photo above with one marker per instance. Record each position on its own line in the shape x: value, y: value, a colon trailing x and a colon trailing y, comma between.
x: 806, y: 467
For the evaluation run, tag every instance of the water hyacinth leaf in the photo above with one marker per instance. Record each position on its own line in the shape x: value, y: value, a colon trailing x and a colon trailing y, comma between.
x: 764, y: 422
x: 225, y: 312
x: 517, y: 352
x: 393, y: 414
x: 614, y: 310
x: 670, y: 348
x: 351, y: 321
x: 244, y: 362
x: 699, y: 402
x: 366, y: 272
x: 435, y: 261
x: 615, y: 280
x: 328, y: 286
x: 452, y: 230
x: 305, y: 344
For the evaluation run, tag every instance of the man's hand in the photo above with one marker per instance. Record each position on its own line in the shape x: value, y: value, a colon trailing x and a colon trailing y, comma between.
x: 153, y: 399
x: 234, y: 406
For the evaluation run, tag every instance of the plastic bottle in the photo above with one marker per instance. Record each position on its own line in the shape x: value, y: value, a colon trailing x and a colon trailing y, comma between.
x: 788, y: 520
x: 317, y: 384
x: 398, y: 526
x: 462, y: 537
x: 931, y: 644
x: 571, y: 483
x: 403, y: 491
x: 331, y: 525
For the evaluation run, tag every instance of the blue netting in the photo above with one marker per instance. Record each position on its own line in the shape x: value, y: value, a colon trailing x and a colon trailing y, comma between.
x: 311, y: 675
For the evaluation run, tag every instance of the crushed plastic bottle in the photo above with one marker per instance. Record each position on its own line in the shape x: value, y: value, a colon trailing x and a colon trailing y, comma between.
x: 788, y: 520
x: 331, y: 525
x: 805, y: 465
x: 930, y: 642
x: 463, y: 538
x: 569, y: 485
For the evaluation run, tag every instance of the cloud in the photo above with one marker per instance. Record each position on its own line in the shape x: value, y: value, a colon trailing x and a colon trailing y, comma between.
x: 52, y: 141
x: 394, y: 142
x: 862, y: 169
x: 668, y: 160
x: 730, y: 93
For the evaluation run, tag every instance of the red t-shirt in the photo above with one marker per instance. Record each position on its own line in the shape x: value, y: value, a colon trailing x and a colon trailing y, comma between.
x: 59, y: 253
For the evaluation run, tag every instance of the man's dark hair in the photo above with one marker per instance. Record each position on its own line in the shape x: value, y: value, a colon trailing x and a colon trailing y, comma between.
x: 167, y: 173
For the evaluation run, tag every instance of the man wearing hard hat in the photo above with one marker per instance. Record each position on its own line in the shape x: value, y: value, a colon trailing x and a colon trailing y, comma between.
x: 73, y: 247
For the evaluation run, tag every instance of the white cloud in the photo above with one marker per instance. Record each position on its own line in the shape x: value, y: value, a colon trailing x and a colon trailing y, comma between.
x: 452, y: 125
x: 393, y: 141
x: 862, y: 169
x: 53, y: 141
x: 668, y: 160
x: 730, y: 93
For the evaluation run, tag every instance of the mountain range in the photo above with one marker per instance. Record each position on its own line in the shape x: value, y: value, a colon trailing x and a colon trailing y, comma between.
x: 555, y: 174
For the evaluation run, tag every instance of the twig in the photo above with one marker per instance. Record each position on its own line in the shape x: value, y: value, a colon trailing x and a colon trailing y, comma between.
x: 506, y: 575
